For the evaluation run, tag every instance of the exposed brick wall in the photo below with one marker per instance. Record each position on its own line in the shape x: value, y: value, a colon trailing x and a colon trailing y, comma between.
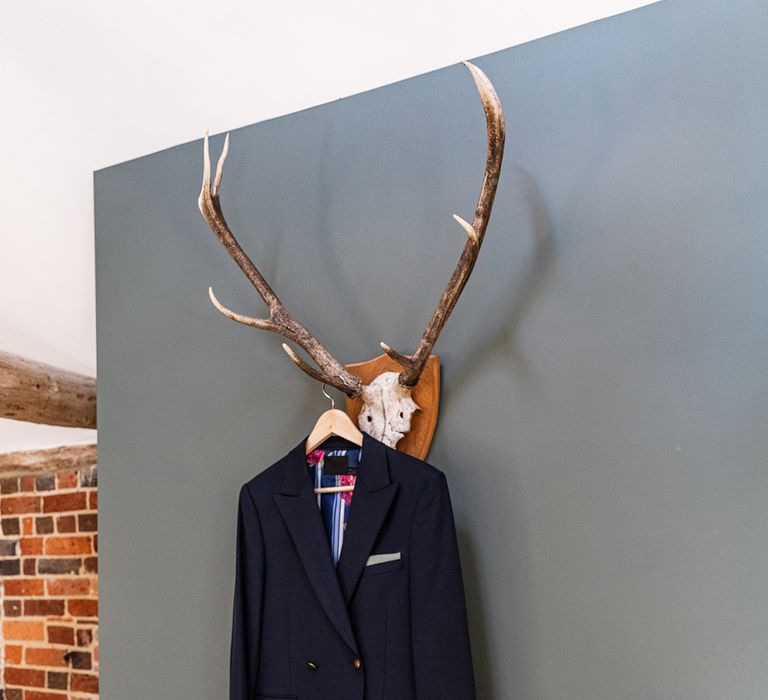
x: 49, y: 586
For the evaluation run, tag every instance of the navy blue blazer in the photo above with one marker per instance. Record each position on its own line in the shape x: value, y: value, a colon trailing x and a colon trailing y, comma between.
x: 384, y: 628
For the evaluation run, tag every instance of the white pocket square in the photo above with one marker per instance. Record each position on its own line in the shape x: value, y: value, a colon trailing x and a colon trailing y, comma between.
x: 379, y: 558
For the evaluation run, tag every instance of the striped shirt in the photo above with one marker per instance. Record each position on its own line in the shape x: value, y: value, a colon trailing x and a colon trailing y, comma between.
x: 334, y: 507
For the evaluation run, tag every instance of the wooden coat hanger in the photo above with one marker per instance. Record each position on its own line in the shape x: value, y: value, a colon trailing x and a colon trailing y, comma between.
x: 333, y: 422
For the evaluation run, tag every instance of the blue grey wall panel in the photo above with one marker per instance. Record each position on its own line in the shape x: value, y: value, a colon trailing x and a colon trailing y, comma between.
x: 603, y: 420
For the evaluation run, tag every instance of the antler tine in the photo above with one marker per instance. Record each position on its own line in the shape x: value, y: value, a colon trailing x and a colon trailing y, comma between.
x: 280, y: 321
x: 413, y: 365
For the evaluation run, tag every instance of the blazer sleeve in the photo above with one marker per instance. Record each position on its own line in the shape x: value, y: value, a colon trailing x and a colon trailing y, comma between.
x: 247, y: 608
x: 439, y: 628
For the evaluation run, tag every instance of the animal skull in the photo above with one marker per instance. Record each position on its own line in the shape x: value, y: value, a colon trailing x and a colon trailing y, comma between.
x: 387, y: 409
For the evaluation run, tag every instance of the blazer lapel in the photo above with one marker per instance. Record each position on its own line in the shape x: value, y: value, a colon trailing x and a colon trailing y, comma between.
x: 371, y: 500
x: 297, y: 503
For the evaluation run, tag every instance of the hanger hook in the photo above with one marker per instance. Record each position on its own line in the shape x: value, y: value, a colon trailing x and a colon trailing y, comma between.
x: 327, y: 396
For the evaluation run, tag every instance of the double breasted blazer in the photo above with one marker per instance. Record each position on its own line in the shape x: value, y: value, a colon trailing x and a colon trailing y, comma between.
x: 388, y: 622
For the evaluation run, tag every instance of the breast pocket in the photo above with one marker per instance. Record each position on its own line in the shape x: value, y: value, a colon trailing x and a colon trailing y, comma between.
x: 383, y: 563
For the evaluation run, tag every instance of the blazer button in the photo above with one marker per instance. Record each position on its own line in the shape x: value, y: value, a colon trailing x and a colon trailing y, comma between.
x: 311, y: 664
x: 357, y: 663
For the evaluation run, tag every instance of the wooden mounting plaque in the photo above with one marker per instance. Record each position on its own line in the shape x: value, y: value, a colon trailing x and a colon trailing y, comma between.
x: 426, y: 394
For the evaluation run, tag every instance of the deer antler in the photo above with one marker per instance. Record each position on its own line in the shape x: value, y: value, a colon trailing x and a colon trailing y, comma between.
x: 413, y: 365
x: 280, y: 320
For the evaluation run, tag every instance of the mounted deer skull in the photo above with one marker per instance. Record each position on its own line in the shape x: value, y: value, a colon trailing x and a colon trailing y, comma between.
x: 387, y: 403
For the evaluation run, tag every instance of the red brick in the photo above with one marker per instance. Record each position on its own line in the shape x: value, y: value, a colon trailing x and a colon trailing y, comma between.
x: 11, y: 526
x: 91, y: 564
x: 27, y: 483
x: 93, y: 500
x: 43, y: 695
x: 67, y: 480
x: 84, y: 683
x: 12, y: 608
x: 31, y: 545
x: 59, y: 565
x: 45, y: 482
x: 45, y: 657
x: 58, y: 680
x: 84, y: 637
x: 20, y: 504
x: 13, y: 654
x: 87, y: 522
x: 9, y: 567
x: 63, y: 501
x: 24, y: 586
x: 66, y: 523
x: 9, y: 484
x: 79, y: 659
x: 30, y: 567
x: 25, y: 677
x: 71, y: 586
x: 81, y: 607
x: 44, y: 526
x: 39, y: 606
x: 68, y: 545
x: 8, y: 548
x: 26, y: 526
x: 23, y: 630
x: 58, y: 634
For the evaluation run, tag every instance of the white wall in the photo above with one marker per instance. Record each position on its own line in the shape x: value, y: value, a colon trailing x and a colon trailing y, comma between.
x: 88, y: 84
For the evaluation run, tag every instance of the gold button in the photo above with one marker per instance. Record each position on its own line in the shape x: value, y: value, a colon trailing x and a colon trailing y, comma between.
x: 357, y: 663
x: 311, y: 664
